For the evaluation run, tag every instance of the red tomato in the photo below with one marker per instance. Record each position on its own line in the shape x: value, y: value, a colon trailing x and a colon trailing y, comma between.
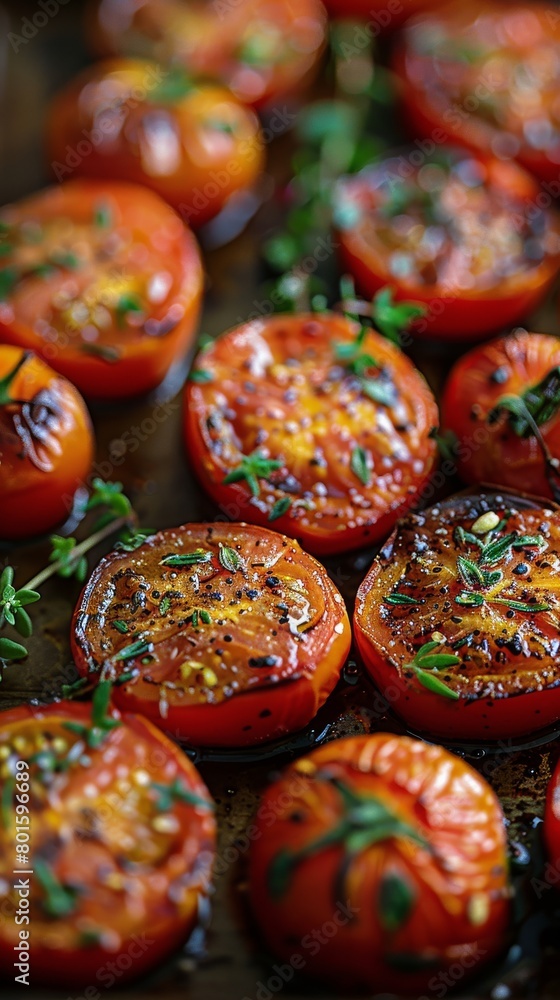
x: 221, y: 634
x: 46, y: 445
x: 458, y: 615
x: 262, y: 50
x: 379, y: 862
x: 494, y: 444
x: 103, y: 281
x: 194, y: 144
x: 486, y: 75
x: 381, y: 15
x: 301, y: 421
x: 552, y: 819
x: 121, y: 838
x: 459, y: 234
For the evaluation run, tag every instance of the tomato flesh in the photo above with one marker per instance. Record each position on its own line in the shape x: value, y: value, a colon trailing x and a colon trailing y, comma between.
x: 344, y: 464
x: 46, y: 446
x: 240, y: 641
x: 121, y: 839
x: 102, y: 280
x: 398, y: 845
x: 459, y: 234
x: 489, y: 448
x: 486, y: 601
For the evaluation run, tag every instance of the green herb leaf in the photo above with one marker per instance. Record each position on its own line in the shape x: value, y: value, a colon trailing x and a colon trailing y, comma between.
x: 103, y: 216
x: 175, y: 85
x: 120, y: 626
x: 205, y: 617
x: 434, y: 684
x: 518, y: 605
x: 496, y: 550
x: 396, y: 900
x: 470, y: 572
x: 469, y: 599
x: 177, y: 791
x: 359, y: 465
x: 187, y: 558
x: 58, y: 900
x: 229, y: 559
x: 103, y: 351
x: 391, y: 318
x: 252, y: 468
x: 201, y: 376
x: 280, y: 508
x: 537, y: 405
x: 10, y: 650
x: 401, y: 599
x: 9, y: 277
x: 135, y: 649
x: 164, y: 605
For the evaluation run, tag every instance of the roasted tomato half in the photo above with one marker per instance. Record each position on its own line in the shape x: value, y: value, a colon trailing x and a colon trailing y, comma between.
x: 502, y: 403
x: 379, y: 862
x: 223, y: 635
x: 487, y: 75
x: 552, y: 820
x: 112, y: 829
x: 46, y: 444
x: 458, y: 615
x: 463, y: 236
x: 262, y: 50
x: 193, y: 143
x: 102, y: 280
x: 313, y: 424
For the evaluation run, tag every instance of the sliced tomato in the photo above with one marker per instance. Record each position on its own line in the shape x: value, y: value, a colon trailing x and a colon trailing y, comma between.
x: 46, y: 444
x: 378, y: 863
x: 465, y: 236
x: 221, y: 634
x: 486, y: 75
x: 459, y: 612
x: 502, y: 402
x: 306, y: 422
x: 119, y: 847
x: 103, y: 281
x: 194, y: 144
x: 262, y: 50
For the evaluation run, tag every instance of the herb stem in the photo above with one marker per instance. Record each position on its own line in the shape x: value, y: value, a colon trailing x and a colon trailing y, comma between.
x: 79, y: 550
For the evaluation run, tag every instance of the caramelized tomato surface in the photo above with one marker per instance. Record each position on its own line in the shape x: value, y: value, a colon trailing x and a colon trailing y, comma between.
x: 103, y: 281
x: 459, y: 614
x: 120, y: 847
x: 223, y: 635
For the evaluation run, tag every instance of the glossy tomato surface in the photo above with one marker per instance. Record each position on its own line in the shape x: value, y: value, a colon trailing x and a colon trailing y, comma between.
x: 296, y: 421
x: 102, y: 280
x: 459, y: 614
x: 495, y: 444
x: 486, y: 75
x: 221, y: 634
x: 46, y: 444
x: 379, y: 862
x: 463, y: 235
x: 262, y: 50
x: 120, y: 846
x: 194, y: 144
x: 552, y: 821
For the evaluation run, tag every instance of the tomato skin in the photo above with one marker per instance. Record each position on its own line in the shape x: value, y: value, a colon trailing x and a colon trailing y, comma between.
x: 147, y: 927
x: 452, y: 314
x: 552, y: 819
x: 40, y: 475
x: 427, y: 113
x: 493, y: 452
x: 245, y: 700
x: 266, y: 352
x: 507, y: 681
x: 208, y: 40
x: 419, y: 786
x: 30, y: 317
x: 382, y: 15
x: 177, y: 147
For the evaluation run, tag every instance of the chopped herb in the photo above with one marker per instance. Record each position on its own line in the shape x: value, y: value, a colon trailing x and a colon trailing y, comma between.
x: 200, y: 376
x: 135, y: 649
x: 103, y: 215
x: 426, y: 661
x: 58, y: 900
x: 101, y: 721
x: 127, y: 303
x: 229, y: 559
x: 520, y: 605
x: 173, y: 88
x: 164, y: 605
x: 120, y: 626
x: 470, y: 572
x: 65, y: 259
x: 401, y: 599
x: 393, y: 318
x: 396, y: 900
x: 178, y: 792
x: 205, y: 617
x: 434, y: 684
x: 252, y: 468
x: 187, y: 558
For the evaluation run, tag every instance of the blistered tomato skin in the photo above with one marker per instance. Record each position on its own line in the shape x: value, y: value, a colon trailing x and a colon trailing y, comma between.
x: 121, y: 841
x: 294, y: 421
x: 458, y: 615
x: 461, y: 81
x: 221, y: 634
x: 262, y: 51
x: 396, y: 844
x: 494, y: 445
x: 194, y: 144
x: 46, y: 445
x: 103, y: 281
x: 463, y: 235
